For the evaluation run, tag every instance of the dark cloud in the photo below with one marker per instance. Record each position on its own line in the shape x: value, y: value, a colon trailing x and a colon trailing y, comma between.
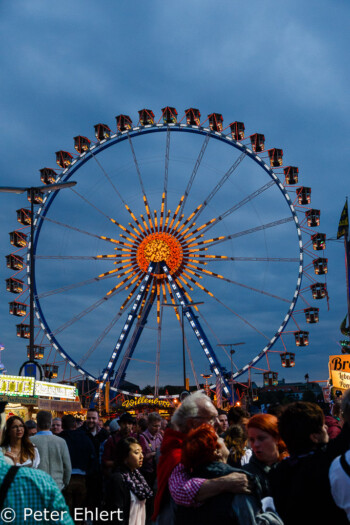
x: 279, y: 68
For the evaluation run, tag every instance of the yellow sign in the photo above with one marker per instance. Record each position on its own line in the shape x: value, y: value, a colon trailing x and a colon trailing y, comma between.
x: 146, y: 401
x: 339, y: 371
x: 16, y: 386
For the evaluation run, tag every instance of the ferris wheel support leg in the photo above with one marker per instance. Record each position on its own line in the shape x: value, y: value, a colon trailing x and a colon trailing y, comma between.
x: 133, y: 342
x: 108, y: 371
x: 200, y: 334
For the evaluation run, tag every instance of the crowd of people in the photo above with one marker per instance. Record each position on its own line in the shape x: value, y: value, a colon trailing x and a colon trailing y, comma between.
x: 290, y: 466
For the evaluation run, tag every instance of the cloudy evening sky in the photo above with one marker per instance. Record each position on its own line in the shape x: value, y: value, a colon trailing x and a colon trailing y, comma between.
x: 279, y: 67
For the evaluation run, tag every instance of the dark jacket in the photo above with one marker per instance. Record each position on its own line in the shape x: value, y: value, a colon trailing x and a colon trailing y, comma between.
x: 300, y: 485
x: 118, y: 497
x: 98, y: 439
x: 262, y: 471
x: 95, y: 492
x: 81, y: 450
x: 225, y: 508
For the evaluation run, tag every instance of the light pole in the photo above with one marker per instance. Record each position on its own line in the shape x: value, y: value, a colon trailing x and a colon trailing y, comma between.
x: 31, y: 192
x: 183, y: 307
x: 207, y: 377
x: 232, y: 351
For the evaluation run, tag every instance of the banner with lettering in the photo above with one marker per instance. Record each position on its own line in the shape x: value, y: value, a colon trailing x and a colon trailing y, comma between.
x: 130, y: 403
x: 339, y: 371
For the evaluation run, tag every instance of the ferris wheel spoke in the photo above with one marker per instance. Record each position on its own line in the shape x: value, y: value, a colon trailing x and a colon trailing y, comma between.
x: 95, y: 305
x: 146, y: 226
x: 79, y: 230
x: 108, y: 178
x: 183, y: 287
x: 198, y: 331
x: 162, y: 213
x: 188, y: 350
x: 134, y: 218
x: 76, y: 285
x: 158, y: 303
x: 194, y: 173
x: 159, y: 340
x: 144, y: 196
x: 108, y: 371
x: 171, y: 295
x: 122, y: 308
x: 79, y: 316
x: 91, y: 204
x: 210, y: 328
x: 75, y: 257
x: 245, y: 321
x: 104, y: 333
x: 176, y: 213
x: 222, y: 181
x: 183, y: 280
x: 134, y: 339
x: 129, y: 232
x: 136, y: 166
x: 209, y: 224
x: 178, y: 228
x: 223, y: 238
x: 166, y: 174
x: 132, y: 274
x: 215, y: 258
x: 221, y: 277
x: 234, y: 208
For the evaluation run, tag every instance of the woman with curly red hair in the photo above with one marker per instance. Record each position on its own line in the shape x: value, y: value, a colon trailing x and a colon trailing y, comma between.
x: 267, y: 446
x: 204, y: 455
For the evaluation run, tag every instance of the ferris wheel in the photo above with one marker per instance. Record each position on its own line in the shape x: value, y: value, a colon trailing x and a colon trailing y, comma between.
x: 178, y: 212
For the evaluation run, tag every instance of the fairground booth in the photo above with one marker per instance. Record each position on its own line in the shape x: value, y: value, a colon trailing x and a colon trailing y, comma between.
x: 25, y: 396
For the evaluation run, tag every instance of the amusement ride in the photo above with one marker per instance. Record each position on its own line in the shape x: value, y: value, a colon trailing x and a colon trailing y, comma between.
x: 178, y: 211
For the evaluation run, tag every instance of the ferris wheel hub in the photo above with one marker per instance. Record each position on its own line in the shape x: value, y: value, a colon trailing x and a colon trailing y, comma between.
x: 157, y: 247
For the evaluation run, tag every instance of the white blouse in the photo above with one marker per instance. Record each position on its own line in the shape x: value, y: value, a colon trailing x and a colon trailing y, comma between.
x: 137, y: 510
x: 28, y: 463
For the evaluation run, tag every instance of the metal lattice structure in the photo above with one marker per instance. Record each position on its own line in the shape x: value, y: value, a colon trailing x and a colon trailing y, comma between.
x: 207, y: 216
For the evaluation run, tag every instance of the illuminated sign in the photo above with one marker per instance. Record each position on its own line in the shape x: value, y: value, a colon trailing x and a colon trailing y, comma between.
x: 339, y: 370
x: 22, y: 400
x: 43, y: 389
x: 146, y: 401
x: 16, y: 386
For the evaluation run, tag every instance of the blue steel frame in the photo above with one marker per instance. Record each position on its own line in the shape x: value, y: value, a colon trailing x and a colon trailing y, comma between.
x: 199, y: 332
x: 108, y: 371
x: 137, y: 132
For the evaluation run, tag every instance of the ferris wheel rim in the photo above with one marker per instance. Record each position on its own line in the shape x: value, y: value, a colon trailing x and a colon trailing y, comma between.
x: 134, y: 132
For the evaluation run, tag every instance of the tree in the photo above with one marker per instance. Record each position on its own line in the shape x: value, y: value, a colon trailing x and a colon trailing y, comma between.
x: 147, y: 390
x: 309, y: 396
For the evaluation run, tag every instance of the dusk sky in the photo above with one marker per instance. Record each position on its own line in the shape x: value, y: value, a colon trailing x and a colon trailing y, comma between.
x: 279, y: 67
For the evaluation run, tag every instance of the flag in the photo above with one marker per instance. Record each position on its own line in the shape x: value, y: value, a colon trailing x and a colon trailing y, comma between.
x: 343, y: 227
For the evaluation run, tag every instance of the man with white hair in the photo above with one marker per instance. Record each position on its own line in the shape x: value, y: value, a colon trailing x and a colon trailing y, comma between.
x: 174, y: 485
x: 28, y: 495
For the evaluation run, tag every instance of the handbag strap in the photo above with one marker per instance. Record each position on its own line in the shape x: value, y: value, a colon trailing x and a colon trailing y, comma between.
x: 8, y: 479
